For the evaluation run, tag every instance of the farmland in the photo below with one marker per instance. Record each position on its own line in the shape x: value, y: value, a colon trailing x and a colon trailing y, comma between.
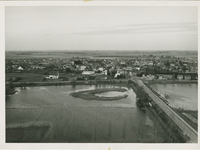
x: 95, y: 54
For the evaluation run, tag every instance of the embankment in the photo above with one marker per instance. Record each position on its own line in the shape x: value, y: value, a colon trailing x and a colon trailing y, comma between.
x: 176, y: 134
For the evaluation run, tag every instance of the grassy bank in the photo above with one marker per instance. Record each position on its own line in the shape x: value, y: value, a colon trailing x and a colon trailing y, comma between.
x: 26, y: 77
x: 176, y: 134
x: 181, y: 112
x: 90, y: 94
x: 188, y: 120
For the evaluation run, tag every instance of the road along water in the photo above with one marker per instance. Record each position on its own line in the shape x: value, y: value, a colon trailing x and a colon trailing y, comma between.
x: 184, y: 126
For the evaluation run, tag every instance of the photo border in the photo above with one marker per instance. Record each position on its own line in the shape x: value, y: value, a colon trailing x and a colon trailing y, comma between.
x: 105, y: 146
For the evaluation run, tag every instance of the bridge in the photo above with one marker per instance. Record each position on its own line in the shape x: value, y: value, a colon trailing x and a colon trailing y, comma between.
x: 182, y: 124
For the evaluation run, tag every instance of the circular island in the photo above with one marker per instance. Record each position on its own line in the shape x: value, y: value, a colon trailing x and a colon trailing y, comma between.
x: 95, y: 94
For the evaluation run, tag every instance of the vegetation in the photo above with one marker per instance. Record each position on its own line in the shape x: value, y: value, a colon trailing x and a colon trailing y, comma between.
x: 73, y: 82
x: 10, y: 89
x: 176, y: 135
x: 90, y: 94
x: 143, y: 97
x: 190, y: 122
x: 25, y: 77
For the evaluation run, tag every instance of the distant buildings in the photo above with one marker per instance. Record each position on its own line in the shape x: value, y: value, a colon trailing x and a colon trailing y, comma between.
x: 88, y: 72
x: 165, y: 76
x: 180, y: 77
x: 53, y: 76
x: 153, y: 67
x: 187, y: 77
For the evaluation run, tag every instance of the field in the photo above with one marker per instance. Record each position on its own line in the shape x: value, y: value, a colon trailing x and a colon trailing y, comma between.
x: 101, y: 54
x: 26, y: 77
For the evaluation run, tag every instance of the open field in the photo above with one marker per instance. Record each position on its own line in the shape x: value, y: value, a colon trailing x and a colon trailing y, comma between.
x: 96, y: 54
x: 26, y: 77
x: 34, y: 77
x: 38, y: 55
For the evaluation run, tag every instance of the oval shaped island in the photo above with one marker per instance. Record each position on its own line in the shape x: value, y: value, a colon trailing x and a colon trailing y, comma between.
x: 102, y: 94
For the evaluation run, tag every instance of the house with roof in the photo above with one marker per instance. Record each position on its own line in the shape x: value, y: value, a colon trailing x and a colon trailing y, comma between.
x: 187, y: 77
x: 20, y: 68
x: 82, y: 67
x: 53, y: 76
x: 180, y: 77
x: 150, y: 63
x: 88, y: 72
x: 165, y: 76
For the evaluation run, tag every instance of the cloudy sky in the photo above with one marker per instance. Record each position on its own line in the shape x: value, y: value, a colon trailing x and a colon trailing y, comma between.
x: 101, y: 28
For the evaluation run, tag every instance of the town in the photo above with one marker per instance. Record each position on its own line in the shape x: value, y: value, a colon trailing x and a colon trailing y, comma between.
x: 139, y: 73
x: 148, y: 67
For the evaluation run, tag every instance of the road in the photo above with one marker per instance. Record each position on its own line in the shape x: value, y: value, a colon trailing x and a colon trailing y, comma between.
x: 184, y: 126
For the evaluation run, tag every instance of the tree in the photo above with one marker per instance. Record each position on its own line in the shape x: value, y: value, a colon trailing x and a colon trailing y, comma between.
x: 167, y: 63
x: 73, y: 81
x: 142, y: 96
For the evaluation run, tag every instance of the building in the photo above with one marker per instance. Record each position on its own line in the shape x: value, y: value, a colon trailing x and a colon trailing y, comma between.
x: 82, y: 68
x: 165, y: 76
x: 20, y: 68
x: 117, y: 74
x: 88, y: 72
x: 180, y: 77
x: 150, y: 63
x: 187, y: 77
x: 53, y: 76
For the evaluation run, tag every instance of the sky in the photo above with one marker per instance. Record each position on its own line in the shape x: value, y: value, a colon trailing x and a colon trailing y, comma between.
x: 101, y: 28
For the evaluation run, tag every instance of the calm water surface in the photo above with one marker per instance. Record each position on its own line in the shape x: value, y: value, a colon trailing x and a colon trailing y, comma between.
x: 76, y: 120
x: 180, y: 95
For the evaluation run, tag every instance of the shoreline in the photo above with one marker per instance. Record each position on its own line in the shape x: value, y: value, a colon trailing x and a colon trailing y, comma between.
x: 55, y: 83
x: 64, y: 83
x: 171, y: 82
x: 114, y: 81
x: 90, y: 94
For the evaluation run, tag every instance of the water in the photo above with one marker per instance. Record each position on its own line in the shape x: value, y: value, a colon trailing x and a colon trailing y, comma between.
x: 183, y: 96
x: 111, y: 94
x: 51, y: 114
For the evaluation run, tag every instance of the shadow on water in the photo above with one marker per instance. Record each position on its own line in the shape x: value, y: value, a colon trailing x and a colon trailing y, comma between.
x: 73, y: 87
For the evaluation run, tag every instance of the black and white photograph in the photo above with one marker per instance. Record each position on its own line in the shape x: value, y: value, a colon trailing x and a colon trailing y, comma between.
x: 101, y: 74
